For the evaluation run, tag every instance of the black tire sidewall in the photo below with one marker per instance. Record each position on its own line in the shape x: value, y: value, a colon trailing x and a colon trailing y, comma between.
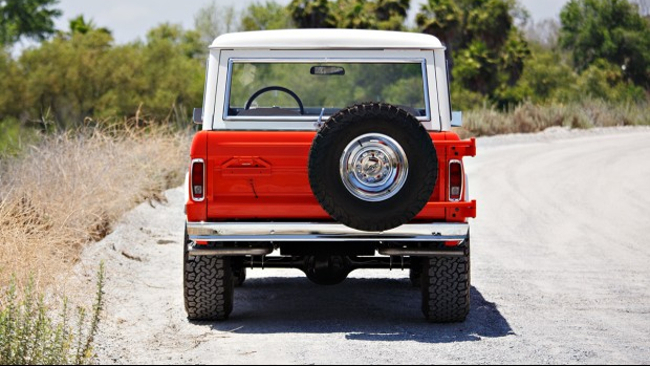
x: 208, y: 285
x: 327, y: 184
x: 446, y: 287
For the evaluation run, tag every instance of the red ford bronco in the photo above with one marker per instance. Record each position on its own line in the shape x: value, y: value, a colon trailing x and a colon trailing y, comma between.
x: 333, y: 150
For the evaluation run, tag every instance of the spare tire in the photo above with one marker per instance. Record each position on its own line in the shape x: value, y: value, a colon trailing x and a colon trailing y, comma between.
x: 373, y: 167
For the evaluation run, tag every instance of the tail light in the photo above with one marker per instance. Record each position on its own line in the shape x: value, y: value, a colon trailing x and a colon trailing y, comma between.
x: 455, y: 180
x: 198, y: 180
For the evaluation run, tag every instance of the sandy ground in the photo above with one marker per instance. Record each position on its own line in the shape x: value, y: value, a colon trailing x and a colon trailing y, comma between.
x: 560, y: 271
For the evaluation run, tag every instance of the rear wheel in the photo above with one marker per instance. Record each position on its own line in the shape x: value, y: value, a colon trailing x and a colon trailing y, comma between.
x: 445, y: 284
x: 208, y: 286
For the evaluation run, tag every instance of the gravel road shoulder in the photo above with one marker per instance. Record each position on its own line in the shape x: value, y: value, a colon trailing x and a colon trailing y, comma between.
x: 560, y: 275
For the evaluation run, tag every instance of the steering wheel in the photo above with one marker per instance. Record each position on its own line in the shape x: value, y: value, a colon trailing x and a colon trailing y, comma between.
x: 272, y: 88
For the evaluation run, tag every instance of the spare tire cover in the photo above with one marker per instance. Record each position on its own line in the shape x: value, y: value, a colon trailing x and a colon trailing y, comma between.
x: 373, y: 167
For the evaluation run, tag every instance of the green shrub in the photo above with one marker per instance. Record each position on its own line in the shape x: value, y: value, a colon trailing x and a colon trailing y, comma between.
x: 28, y: 336
x: 466, y: 100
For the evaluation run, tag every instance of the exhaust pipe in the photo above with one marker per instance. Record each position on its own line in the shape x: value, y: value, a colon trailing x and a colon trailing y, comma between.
x: 229, y: 252
x: 420, y: 252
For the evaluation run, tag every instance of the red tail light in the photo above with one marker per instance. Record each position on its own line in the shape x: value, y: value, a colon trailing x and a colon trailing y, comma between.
x: 198, y: 180
x: 455, y: 180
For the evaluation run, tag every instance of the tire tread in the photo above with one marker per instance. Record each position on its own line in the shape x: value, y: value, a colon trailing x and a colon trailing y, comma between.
x: 446, y: 288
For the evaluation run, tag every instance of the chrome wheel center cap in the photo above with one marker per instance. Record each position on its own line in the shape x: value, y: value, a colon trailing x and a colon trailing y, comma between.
x: 373, y: 167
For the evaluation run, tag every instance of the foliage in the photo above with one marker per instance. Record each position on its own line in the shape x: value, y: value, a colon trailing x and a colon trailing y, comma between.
x: 82, y: 74
x: 612, y: 30
x: 644, y: 7
x: 63, y: 79
x: 466, y: 100
x: 266, y: 16
x: 26, y: 18
x: 213, y: 20
x: 28, y: 336
x: 352, y: 14
x: 548, y: 77
x: 312, y: 13
x: 486, y: 48
x: 603, y: 80
x: 83, y: 26
x: 544, y: 34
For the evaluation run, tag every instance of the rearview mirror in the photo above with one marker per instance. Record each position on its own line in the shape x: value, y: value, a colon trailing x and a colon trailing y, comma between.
x: 327, y: 70
x: 198, y: 116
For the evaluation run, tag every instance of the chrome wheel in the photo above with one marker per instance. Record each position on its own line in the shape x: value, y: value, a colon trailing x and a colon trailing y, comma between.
x: 374, y: 167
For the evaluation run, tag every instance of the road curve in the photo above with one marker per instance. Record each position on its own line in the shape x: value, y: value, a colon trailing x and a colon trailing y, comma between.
x: 560, y: 274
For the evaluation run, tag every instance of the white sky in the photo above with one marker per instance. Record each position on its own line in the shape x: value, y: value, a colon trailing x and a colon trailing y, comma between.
x: 131, y: 19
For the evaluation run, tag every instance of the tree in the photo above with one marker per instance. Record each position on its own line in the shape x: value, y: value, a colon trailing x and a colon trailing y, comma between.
x: 391, y: 13
x: 611, y: 30
x: 84, y: 74
x: 351, y: 14
x: 370, y: 14
x: 485, y: 47
x: 644, y: 7
x: 444, y: 19
x: 64, y: 77
x: 545, y: 33
x: 26, y: 18
x: 213, y: 20
x: 269, y: 15
x: 312, y: 14
x: 82, y: 26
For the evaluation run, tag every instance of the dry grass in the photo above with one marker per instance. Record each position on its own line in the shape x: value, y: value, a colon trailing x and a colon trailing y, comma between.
x: 528, y: 117
x: 71, y: 188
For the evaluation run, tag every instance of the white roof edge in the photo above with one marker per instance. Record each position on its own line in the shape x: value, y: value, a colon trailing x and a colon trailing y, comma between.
x: 294, y: 39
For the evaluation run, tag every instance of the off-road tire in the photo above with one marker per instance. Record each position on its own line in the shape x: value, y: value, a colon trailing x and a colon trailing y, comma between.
x: 208, y: 287
x: 445, y: 284
x: 324, y: 166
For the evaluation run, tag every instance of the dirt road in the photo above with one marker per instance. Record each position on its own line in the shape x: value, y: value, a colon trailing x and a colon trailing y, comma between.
x: 561, y: 274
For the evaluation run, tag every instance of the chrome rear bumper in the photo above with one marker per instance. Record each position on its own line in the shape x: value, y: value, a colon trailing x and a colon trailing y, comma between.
x: 277, y: 232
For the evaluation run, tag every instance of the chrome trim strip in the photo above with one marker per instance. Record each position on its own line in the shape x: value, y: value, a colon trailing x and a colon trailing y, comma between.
x: 227, y: 118
x: 195, y: 251
x: 321, y: 232
x: 347, y: 60
x: 415, y: 252
x: 313, y: 119
x: 194, y: 161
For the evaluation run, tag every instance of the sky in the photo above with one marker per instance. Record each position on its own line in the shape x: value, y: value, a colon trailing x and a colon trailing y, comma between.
x: 131, y: 19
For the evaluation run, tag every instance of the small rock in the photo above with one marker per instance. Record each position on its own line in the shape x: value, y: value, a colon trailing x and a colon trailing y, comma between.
x: 132, y: 257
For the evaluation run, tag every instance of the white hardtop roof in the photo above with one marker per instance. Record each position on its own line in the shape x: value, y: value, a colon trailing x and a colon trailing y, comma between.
x: 292, y: 39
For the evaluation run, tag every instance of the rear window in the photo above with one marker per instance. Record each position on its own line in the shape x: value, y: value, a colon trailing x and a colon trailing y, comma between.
x: 311, y: 89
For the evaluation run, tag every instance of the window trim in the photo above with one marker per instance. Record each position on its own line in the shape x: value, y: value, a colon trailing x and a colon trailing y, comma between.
x: 323, y: 60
